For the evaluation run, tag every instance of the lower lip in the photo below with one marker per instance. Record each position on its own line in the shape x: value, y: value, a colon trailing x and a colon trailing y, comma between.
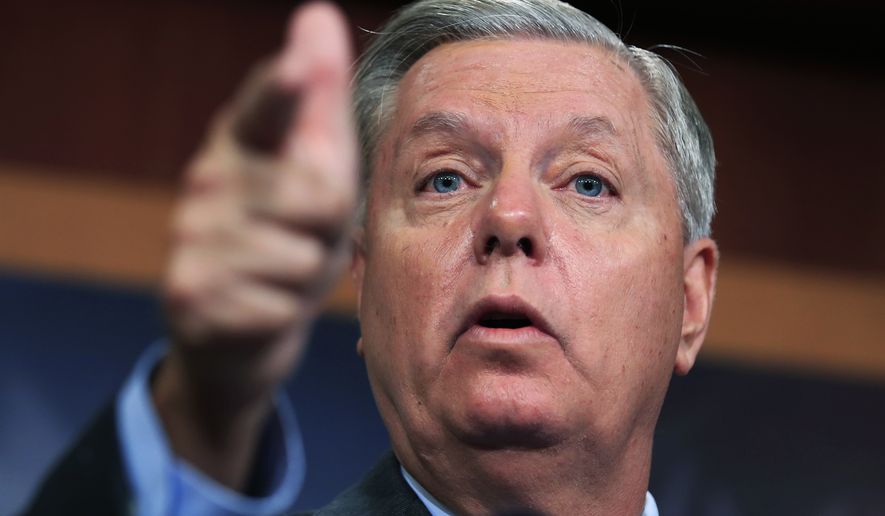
x: 497, y: 337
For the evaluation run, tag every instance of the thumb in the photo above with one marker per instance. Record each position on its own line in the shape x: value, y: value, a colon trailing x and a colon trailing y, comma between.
x: 317, y: 42
x: 311, y: 71
x: 317, y: 61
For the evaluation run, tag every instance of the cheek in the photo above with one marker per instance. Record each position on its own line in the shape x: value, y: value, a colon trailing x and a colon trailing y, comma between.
x: 625, y: 323
x: 628, y: 287
x: 418, y: 267
x: 412, y: 280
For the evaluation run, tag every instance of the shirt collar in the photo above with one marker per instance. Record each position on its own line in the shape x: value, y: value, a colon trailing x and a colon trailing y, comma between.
x: 438, y: 509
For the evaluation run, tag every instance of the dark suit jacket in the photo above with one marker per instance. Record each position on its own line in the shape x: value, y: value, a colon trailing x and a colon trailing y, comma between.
x: 90, y: 480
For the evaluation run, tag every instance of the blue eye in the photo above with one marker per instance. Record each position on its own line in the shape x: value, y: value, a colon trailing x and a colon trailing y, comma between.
x: 445, y: 182
x: 590, y: 186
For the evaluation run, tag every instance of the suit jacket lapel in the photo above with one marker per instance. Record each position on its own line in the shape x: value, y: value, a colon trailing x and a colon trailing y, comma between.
x: 383, y: 491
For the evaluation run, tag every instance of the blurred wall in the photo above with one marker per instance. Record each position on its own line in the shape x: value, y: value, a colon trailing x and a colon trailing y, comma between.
x: 103, y: 101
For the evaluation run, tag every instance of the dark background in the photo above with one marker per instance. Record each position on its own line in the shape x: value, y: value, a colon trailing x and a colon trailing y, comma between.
x: 794, y: 93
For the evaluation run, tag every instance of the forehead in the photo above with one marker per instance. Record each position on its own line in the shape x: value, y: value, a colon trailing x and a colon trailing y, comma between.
x: 535, y: 83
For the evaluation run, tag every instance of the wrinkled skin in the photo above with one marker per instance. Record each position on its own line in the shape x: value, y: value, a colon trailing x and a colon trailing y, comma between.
x: 485, y: 417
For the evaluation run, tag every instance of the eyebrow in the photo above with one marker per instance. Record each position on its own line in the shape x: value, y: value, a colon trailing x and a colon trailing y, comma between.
x: 581, y: 128
x: 452, y: 122
x: 445, y: 122
x: 592, y: 127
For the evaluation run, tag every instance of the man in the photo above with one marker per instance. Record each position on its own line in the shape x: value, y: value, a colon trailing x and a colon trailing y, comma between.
x: 531, y: 256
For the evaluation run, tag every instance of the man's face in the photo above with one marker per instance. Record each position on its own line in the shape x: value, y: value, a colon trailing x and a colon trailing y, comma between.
x: 522, y: 264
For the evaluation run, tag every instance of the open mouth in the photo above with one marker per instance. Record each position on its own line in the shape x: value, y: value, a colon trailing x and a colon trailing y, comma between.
x: 512, y: 321
x: 505, y: 313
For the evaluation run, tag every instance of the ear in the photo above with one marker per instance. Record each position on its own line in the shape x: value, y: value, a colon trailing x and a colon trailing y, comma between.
x: 358, y: 273
x: 700, y: 262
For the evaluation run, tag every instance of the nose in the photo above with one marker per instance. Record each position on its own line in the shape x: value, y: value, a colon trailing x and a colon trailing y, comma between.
x: 509, y: 221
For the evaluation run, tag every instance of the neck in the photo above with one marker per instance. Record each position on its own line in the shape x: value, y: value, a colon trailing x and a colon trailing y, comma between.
x: 570, y: 478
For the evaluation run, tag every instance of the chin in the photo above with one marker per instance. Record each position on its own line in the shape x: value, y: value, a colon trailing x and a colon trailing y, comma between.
x: 508, y: 413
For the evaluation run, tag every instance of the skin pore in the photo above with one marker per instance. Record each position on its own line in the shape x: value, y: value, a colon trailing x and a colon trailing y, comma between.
x: 523, y: 178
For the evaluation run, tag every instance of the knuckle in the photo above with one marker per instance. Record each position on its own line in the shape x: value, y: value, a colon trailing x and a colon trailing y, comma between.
x: 284, y: 313
x: 193, y: 224
x: 183, y: 290
x: 191, y: 282
x: 313, y: 258
x: 185, y: 229
x: 203, y: 176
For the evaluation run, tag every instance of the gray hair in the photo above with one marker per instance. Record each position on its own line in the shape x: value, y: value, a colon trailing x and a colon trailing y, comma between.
x: 682, y: 134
